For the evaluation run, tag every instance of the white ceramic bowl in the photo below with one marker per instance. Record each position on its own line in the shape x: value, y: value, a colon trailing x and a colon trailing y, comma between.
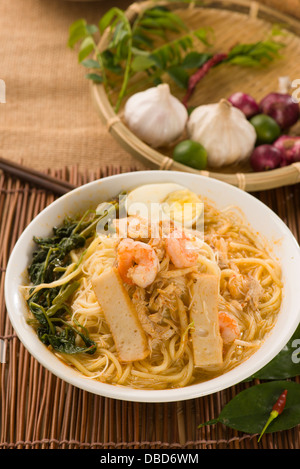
x: 260, y: 217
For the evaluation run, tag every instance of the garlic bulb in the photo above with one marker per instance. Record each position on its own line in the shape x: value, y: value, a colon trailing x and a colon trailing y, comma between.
x: 224, y: 131
x: 156, y: 116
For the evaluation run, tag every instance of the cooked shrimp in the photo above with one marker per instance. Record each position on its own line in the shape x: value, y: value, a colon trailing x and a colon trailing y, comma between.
x: 134, y: 227
x: 229, y: 328
x: 237, y: 286
x: 181, y: 250
x: 137, y: 262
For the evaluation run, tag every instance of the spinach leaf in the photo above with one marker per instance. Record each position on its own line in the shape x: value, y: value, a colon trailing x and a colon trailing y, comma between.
x: 64, y: 341
x: 49, y: 306
x: 52, y: 253
x: 249, y: 410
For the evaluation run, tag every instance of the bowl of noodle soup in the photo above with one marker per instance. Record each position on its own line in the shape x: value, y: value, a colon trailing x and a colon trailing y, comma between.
x: 154, y: 351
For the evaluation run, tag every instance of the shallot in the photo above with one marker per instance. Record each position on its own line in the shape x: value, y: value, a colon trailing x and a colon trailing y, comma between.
x: 245, y: 103
x: 266, y: 157
x: 290, y: 148
x: 282, y: 108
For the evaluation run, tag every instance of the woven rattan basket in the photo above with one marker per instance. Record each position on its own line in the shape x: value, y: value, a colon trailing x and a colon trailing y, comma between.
x: 232, y: 21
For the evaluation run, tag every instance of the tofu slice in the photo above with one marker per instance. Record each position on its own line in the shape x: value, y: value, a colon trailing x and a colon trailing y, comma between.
x: 121, y: 316
x: 206, y: 338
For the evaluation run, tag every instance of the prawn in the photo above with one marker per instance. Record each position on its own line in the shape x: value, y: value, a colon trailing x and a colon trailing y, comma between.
x: 181, y: 250
x: 137, y: 262
x: 133, y: 227
x: 229, y: 328
x: 237, y: 286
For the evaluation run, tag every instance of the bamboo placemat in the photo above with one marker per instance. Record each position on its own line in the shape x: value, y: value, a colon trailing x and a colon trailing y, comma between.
x: 40, y: 411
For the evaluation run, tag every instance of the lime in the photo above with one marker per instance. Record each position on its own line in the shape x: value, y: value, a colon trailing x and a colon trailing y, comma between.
x: 191, y: 154
x: 267, y: 129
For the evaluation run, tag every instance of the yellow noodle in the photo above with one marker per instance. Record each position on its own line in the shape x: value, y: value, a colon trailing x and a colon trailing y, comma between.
x: 232, y: 252
x: 253, y: 261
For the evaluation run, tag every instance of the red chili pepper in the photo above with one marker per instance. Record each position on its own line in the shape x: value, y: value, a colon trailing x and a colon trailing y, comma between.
x: 276, y: 410
x: 280, y: 404
x: 199, y: 74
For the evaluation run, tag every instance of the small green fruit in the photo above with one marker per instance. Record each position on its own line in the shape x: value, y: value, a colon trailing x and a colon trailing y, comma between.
x: 190, y: 153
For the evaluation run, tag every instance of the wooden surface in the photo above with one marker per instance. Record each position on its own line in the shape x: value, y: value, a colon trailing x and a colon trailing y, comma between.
x: 291, y: 7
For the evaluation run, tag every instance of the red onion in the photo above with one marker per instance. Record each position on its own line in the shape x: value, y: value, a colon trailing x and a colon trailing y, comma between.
x: 245, y: 103
x: 290, y: 148
x: 282, y: 108
x: 265, y: 157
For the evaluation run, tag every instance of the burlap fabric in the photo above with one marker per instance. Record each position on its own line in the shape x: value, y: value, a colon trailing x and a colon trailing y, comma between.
x: 49, y: 119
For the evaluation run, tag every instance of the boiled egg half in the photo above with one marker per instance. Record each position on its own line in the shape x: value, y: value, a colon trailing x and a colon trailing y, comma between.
x: 165, y: 201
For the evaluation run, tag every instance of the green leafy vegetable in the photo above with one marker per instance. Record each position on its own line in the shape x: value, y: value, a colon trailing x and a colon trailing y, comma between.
x: 179, y: 75
x: 79, y: 31
x: 132, y: 48
x: 50, y: 305
x: 121, y: 48
x: 249, y: 410
x: 253, y: 55
x: 95, y: 77
x: 194, y: 60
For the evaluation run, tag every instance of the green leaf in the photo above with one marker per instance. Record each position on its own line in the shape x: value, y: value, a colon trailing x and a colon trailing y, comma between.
x: 123, y: 46
x: 91, y: 29
x: 160, y: 59
x: 111, y: 63
x: 94, y: 77
x: 195, y: 60
x: 249, y: 410
x: 155, y: 22
x: 76, y: 25
x: 179, y: 76
x: 107, y: 19
x: 161, y: 33
x: 77, y: 31
x: 170, y: 54
x: 286, y: 364
x: 244, y: 61
x: 87, y: 46
x: 166, y: 17
x: 167, y: 23
x: 254, y: 54
x: 120, y: 33
x: 150, y: 23
x: 90, y: 63
x: 141, y: 63
x: 202, y: 35
x: 141, y: 39
x: 157, y: 81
